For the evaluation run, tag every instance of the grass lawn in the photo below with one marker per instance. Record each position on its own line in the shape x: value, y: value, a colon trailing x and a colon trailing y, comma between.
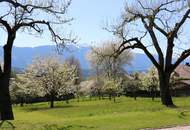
x: 125, y: 114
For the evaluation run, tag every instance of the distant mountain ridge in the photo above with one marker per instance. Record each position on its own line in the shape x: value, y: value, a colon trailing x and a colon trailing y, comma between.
x: 22, y: 56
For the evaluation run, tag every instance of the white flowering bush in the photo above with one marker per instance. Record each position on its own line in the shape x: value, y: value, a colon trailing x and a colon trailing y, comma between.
x: 22, y: 88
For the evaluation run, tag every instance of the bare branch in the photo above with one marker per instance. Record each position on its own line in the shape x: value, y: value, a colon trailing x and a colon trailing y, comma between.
x: 138, y: 45
x: 160, y: 29
x: 6, y: 25
x: 8, y: 13
x: 30, y: 7
x: 145, y: 8
x: 182, y: 57
x: 154, y: 40
x: 178, y: 25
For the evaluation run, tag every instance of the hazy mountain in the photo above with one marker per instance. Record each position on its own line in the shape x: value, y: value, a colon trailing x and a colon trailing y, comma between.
x: 22, y: 56
x: 140, y: 62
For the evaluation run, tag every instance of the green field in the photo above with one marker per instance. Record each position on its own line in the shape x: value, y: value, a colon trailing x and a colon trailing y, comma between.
x: 125, y: 114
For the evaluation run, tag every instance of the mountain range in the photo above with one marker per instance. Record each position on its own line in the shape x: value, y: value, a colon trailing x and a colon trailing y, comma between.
x: 22, y: 56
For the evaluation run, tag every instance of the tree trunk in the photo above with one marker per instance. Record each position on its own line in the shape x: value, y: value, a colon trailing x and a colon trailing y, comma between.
x: 102, y: 96
x: 67, y: 100
x: 153, y: 96
x: 152, y: 92
x: 164, y: 80
x: 52, y: 101
x: 78, y: 98
x: 110, y: 97
x: 99, y: 97
x: 114, y: 100
x: 21, y: 102
x: 6, y: 112
x: 134, y: 95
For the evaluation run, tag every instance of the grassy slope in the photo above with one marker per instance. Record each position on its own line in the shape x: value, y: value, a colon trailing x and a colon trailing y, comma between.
x: 126, y: 114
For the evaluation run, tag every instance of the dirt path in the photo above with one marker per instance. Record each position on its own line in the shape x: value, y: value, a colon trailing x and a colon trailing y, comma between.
x: 176, y: 128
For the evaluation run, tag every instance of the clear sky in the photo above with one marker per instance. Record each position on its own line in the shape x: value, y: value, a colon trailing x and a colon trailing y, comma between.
x: 89, y: 18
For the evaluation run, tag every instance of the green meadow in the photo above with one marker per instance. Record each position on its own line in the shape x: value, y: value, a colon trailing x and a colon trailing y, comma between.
x: 125, y: 114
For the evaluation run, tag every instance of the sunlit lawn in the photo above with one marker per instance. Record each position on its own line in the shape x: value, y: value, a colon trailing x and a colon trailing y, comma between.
x: 125, y: 114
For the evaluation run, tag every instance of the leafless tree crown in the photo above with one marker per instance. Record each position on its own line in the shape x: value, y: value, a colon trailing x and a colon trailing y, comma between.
x: 36, y: 16
x: 157, y: 25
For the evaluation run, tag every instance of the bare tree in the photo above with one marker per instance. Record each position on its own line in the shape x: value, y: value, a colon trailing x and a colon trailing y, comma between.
x: 156, y: 25
x: 29, y: 16
x: 102, y: 59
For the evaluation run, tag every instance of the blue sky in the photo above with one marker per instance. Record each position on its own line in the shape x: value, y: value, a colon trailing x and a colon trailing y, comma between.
x: 89, y: 18
x: 92, y: 15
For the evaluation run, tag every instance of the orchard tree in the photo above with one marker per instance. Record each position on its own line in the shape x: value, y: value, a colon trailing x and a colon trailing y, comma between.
x: 150, y: 81
x: 96, y: 89
x: 52, y: 77
x: 111, y: 88
x: 28, y: 16
x: 87, y: 88
x: 156, y: 27
x: 73, y: 61
x: 134, y: 85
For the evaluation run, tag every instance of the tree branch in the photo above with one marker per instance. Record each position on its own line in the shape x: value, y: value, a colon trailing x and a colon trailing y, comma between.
x: 15, y: 4
x: 182, y: 57
x: 30, y: 7
x: 137, y: 45
x: 178, y: 25
x: 154, y: 40
x: 160, y: 29
x: 6, y: 25
x: 1, y: 72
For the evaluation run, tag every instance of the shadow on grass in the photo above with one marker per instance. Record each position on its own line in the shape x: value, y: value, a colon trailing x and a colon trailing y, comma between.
x: 31, y: 109
x: 69, y: 127
x: 155, y: 100
x: 183, y: 114
x: 7, y: 125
